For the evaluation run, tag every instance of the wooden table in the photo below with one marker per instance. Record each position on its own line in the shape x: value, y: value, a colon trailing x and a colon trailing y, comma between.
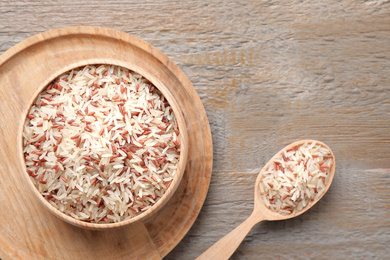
x: 268, y: 73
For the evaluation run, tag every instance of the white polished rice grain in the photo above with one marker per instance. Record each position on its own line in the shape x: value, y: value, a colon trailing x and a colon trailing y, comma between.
x: 101, y: 144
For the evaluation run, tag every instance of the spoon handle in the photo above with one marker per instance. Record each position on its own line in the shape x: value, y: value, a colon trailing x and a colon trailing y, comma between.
x: 227, y: 245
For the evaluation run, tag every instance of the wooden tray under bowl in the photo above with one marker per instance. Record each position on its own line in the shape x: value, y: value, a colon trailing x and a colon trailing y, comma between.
x: 30, y: 231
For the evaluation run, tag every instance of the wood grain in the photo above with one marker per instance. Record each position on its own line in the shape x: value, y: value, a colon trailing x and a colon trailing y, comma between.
x: 268, y: 73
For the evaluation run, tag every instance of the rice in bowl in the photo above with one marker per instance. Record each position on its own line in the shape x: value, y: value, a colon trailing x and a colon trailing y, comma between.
x: 101, y: 144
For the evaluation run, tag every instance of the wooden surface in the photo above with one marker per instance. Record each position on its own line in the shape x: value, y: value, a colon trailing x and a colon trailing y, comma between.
x: 31, y: 231
x: 268, y: 73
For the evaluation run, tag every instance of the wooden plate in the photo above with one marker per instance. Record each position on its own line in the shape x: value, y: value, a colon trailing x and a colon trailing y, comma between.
x: 28, y: 230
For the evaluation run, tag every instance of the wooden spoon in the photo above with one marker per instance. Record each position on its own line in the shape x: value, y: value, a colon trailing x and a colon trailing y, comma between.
x: 226, y: 246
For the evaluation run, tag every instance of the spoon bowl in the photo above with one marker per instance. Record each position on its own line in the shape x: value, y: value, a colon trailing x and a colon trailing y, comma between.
x: 267, y: 213
x: 226, y: 246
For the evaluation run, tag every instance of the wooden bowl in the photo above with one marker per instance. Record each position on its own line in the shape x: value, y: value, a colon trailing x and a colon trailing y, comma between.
x: 138, y: 57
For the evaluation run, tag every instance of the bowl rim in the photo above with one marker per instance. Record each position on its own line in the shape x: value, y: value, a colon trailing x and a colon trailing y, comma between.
x: 165, y: 92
